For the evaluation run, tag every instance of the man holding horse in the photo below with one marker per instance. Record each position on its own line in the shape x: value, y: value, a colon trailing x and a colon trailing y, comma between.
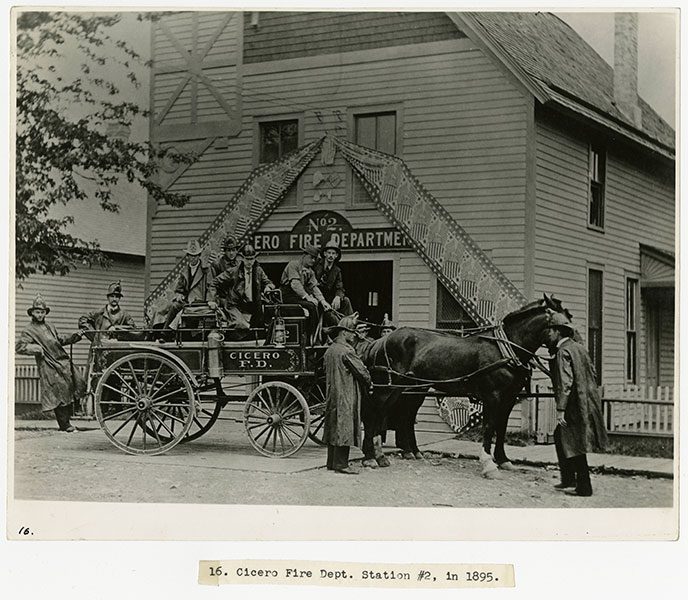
x: 348, y: 382
x: 580, y: 426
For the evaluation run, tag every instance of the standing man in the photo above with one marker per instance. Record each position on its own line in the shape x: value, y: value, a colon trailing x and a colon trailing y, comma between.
x: 109, y: 318
x: 240, y: 289
x: 580, y: 426
x: 60, y: 382
x: 300, y: 286
x: 192, y: 288
x: 347, y: 381
x: 329, y: 276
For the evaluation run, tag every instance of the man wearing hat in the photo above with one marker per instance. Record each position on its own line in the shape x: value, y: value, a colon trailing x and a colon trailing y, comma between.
x: 329, y: 276
x: 60, y: 383
x: 348, y: 382
x: 109, y: 318
x: 387, y: 326
x: 239, y: 291
x: 192, y: 288
x: 580, y: 426
x: 299, y: 285
x: 229, y: 259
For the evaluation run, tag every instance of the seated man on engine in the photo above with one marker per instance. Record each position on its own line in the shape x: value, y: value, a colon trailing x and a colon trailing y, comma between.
x: 330, y: 282
x: 239, y: 291
x: 192, y: 288
x: 229, y: 259
x: 300, y: 286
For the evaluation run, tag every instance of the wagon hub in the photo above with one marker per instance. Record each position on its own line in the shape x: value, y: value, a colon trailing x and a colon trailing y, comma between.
x: 274, y: 419
x: 144, y: 403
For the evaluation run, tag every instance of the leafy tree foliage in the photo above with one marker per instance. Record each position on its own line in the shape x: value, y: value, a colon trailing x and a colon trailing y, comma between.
x: 64, y: 149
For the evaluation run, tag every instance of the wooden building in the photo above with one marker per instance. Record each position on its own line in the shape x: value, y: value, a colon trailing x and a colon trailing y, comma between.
x: 556, y: 169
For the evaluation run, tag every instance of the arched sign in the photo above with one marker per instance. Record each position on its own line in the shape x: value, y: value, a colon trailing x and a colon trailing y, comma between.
x: 319, y: 227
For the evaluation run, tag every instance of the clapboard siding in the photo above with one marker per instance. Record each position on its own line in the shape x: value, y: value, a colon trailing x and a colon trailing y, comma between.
x: 414, y: 301
x: 639, y: 209
x: 463, y: 136
x: 81, y: 291
x: 281, y: 35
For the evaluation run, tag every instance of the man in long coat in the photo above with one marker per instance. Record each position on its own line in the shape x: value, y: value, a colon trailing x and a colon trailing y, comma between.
x: 238, y: 291
x: 331, y: 283
x: 109, y: 318
x: 580, y: 424
x: 60, y: 383
x: 230, y: 256
x: 347, y: 381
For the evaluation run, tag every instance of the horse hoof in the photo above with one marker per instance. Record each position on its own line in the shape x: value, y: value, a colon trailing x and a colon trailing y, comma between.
x: 507, y: 466
x: 492, y: 474
x: 370, y: 462
x: 407, y: 455
x: 383, y: 461
x: 418, y: 455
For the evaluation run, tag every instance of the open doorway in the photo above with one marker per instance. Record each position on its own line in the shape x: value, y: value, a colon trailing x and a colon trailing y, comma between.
x: 368, y: 285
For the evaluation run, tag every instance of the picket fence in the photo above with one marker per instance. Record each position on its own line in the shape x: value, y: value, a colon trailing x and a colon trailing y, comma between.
x: 633, y: 410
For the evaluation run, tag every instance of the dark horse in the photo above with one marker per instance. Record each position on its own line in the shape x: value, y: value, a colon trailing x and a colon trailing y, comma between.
x: 413, y: 356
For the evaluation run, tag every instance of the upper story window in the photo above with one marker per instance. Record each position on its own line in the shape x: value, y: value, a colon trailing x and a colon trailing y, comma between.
x: 379, y: 132
x: 450, y: 315
x: 598, y: 176
x: 276, y: 140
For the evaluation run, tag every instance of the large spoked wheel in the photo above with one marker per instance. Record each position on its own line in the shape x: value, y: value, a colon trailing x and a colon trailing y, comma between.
x: 317, y: 402
x: 144, y: 403
x: 277, y: 419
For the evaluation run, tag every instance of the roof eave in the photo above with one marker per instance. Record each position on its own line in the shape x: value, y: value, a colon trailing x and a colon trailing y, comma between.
x: 469, y: 25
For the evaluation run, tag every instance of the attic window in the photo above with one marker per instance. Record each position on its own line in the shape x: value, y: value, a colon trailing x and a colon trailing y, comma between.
x: 598, y: 175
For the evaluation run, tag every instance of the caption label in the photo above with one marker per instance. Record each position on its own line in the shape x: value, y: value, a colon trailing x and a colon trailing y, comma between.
x: 340, y: 574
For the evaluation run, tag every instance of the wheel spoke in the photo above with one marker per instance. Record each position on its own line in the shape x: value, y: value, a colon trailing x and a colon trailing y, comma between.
x: 293, y: 422
x: 170, y: 378
x: 281, y: 437
x: 138, y: 386
x: 114, y: 433
x: 321, y: 424
x: 125, y: 382
x: 255, y: 425
x: 262, y: 432
x: 267, y: 439
x: 155, y: 432
x: 286, y: 432
x: 117, y: 414
x: 294, y: 401
x: 155, y: 379
x: 162, y: 423
x: 119, y: 392
x: 157, y: 399
x: 271, y: 403
x: 133, y: 429
x: 296, y: 433
x: 143, y: 428
x: 258, y: 408
x: 176, y: 419
x: 293, y: 414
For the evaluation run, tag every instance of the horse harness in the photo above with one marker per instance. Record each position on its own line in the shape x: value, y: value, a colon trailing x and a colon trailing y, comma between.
x: 506, y: 348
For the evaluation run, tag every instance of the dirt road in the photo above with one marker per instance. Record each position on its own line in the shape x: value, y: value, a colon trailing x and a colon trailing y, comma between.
x: 221, y: 468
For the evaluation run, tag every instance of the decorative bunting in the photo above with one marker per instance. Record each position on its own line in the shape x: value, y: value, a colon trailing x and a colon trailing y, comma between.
x: 481, y: 289
x: 250, y: 206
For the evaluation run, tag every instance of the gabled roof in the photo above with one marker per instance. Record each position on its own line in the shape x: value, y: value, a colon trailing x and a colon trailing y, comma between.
x: 559, y: 67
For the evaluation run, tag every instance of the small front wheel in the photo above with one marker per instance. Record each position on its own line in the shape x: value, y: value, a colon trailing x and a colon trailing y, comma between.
x: 277, y: 419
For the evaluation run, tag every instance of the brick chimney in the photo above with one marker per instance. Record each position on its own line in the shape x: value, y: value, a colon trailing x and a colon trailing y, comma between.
x: 626, y: 66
